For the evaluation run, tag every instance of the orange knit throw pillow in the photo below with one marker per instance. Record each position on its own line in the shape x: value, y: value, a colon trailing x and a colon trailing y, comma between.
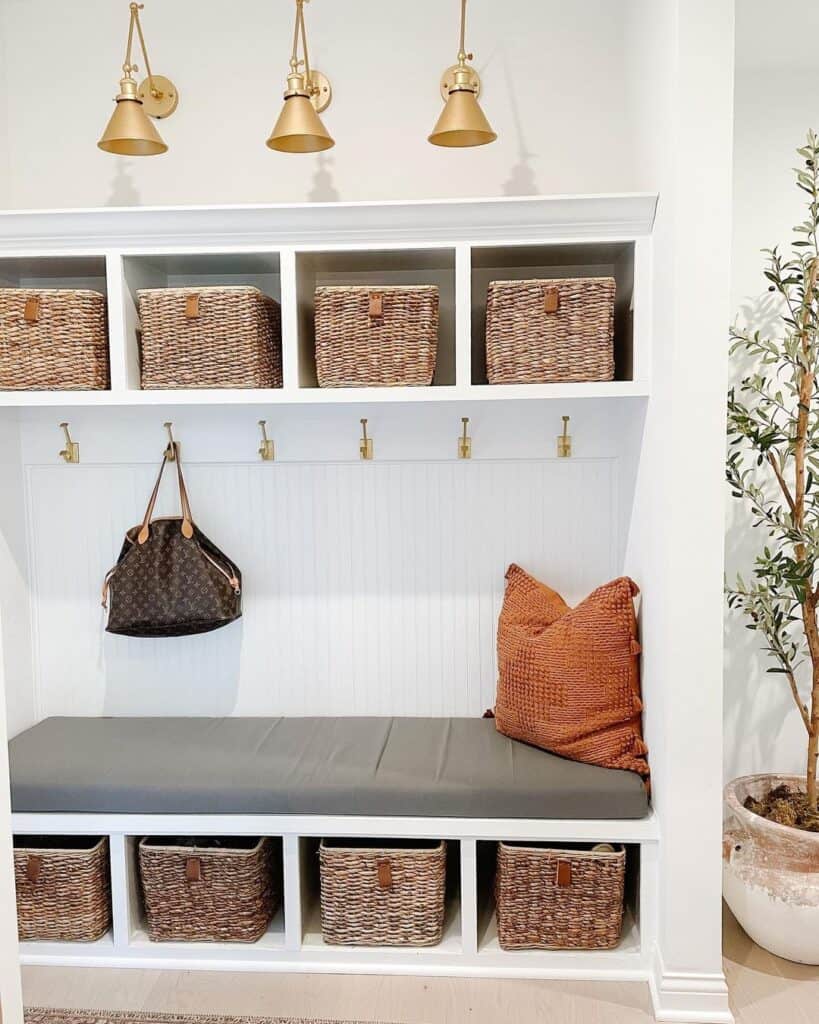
x: 568, y: 677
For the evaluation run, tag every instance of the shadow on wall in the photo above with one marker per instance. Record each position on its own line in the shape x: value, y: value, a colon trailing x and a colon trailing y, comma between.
x: 177, y: 686
x: 123, y: 189
x: 521, y: 180
x: 762, y: 725
x: 323, y: 189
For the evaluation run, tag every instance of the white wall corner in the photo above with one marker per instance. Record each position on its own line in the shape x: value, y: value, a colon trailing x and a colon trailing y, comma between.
x: 688, y: 997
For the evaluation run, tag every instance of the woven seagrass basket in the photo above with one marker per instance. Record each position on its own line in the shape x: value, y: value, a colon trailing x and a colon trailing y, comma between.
x: 53, y: 339
x: 559, y: 898
x: 548, y: 331
x: 209, y: 338
x: 382, y: 896
x: 63, y: 888
x: 208, y: 890
x: 382, y: 337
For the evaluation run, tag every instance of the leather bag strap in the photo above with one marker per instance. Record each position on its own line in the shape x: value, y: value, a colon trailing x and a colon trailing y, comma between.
x: 187, y: 518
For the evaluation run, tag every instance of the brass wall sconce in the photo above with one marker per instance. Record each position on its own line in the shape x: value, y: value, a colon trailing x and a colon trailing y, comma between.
x: 462, y: 122
x: 564, y: 441
x: 130, y: 131
x: 365, y: 445
x: 71, y: 452
x: 299, y: 128
x: 267, y: 451
x: 465, y: 441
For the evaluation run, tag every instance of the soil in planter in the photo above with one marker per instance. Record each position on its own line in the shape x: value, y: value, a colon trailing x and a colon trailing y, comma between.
x: 785, y: 806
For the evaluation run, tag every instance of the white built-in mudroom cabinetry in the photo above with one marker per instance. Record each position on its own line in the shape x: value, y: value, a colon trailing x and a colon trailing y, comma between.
x: 373, y: 587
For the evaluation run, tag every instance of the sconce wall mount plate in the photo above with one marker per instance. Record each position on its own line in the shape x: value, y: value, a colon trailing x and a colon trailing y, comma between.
x: 159, y: 96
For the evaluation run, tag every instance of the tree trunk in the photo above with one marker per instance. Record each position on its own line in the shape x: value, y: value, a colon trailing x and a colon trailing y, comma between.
x: 807, y: 383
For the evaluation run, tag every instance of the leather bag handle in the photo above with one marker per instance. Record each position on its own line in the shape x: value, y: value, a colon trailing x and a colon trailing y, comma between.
x: 187, y: 518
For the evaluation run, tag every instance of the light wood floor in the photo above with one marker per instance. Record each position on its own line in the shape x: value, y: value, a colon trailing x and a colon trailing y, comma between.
x: 764, y: 990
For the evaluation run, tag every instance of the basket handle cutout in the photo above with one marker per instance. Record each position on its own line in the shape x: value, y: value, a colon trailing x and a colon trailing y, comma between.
x: 551, y: 299
x: 384, y: 874
x: 192, y: 306
x: 193, y: 869
x: 564, y: 874
x: 31, y: 313
x: 376, y: 311
x: 34, y: 868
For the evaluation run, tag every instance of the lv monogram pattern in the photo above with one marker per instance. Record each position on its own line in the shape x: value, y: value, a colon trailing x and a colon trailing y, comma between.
x: 171, y: 585
x: 168, y: 587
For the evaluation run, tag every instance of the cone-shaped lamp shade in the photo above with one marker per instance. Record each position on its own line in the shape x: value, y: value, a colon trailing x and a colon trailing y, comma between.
x: 299, y: 128
x: 462, y: 122
x: 130, y: 132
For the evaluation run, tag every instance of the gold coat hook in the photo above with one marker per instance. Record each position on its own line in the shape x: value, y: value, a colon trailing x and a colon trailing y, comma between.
x: 71, y: 452
x: 564, y: 441
x: 266, y: 450
x: 465, y: 441
x: 172, y: 445
x: 365, y: 447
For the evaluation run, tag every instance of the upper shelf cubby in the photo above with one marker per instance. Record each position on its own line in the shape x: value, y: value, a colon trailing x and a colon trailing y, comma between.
x: 533, y: 262
x: 376, y: 268
x: 260, y: 270
x: 86, y: 272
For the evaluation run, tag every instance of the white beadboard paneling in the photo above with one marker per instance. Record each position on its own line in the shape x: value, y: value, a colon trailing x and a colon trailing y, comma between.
x: 369, y: 588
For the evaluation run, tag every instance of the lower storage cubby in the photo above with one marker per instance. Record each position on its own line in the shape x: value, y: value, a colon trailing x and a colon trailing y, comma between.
x: 190, y: 889
x: 63, y: 888
x: 556, y: 896
x: 381, y: 893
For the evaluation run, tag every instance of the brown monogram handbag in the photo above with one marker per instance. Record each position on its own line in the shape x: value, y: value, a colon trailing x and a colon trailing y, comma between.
x: 170, y: 580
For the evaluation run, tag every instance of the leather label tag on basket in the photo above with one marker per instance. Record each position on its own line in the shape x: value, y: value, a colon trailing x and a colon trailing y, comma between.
x: 34, y: 867
x: 376, y: 305
x: 551, y: 300
x: 31, y: 313
x: 193, y: 869
x: 564, y: 874
x: 384, y: 874
x: 192, y: 307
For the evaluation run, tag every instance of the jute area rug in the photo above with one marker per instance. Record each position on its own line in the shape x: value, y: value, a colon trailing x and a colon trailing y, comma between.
x: 41, y: 1015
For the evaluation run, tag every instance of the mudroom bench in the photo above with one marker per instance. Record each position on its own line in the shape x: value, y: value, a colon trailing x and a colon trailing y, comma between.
x: 300, y: 779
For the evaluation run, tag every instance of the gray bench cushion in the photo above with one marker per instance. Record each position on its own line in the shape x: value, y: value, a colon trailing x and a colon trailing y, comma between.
x: 430, y: 767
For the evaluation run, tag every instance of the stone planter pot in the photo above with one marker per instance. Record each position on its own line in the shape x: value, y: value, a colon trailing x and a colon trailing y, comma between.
x: 771, y: 873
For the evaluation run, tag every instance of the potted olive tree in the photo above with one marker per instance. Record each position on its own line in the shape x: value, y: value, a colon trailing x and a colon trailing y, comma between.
x: 771, y: 848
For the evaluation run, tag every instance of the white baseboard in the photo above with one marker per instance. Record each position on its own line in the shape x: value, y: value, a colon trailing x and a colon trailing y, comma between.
x: 688, y: 997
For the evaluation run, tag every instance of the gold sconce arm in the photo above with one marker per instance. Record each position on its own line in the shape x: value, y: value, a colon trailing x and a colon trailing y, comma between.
x: 158, y: 94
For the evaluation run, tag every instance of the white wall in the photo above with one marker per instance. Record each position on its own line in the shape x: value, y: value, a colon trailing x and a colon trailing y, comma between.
x: 555, y: 90
x: 776, y: 102
x: 370, y: 588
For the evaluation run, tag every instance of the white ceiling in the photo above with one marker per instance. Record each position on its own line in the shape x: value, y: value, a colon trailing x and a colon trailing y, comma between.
x: 777, y: 34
